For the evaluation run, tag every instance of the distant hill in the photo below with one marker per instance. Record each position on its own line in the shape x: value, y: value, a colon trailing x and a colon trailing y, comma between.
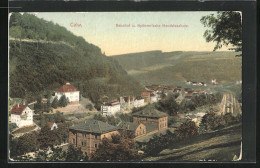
x: 156, y: 67
x: 43, y: 56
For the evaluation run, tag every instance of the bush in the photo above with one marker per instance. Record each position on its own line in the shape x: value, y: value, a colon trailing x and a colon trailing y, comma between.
x: 187, y: 129
x: 212, y: 121
x: 90, y: 107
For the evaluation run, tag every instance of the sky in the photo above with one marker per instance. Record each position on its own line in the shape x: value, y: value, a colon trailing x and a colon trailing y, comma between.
x: 99, y: 28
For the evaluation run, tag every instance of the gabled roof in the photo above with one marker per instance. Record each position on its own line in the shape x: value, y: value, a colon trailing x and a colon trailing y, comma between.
x: 145, y: 94
x: 18, y: 109
x: 94, y: 126
x: 111, y: 103
x: 49, y: 124
x: 128, y: 126
x: 67, y: 88
x: 150, y: 112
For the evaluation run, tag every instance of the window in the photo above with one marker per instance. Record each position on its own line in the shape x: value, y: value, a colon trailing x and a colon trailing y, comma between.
x: 95, y: 145
x: 95, y: 136
x: 73, y: 141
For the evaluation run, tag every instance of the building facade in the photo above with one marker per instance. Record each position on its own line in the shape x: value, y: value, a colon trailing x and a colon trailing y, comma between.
x: 139, y: 102
x: 110, y: 108
x: 70, y: 92
x: 88, y: 135
x: 22, y: 115
x: 152, y: 116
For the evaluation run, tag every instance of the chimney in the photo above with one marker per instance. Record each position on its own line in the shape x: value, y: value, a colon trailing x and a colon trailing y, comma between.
x: 18, y: 105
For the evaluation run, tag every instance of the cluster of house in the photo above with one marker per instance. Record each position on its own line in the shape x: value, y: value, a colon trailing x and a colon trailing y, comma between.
x: 196, y: 83
x: 189, y: 92
x: 88, y: 135
x: 22, y: 114
x: 128, y: 103
x: 213, y: 82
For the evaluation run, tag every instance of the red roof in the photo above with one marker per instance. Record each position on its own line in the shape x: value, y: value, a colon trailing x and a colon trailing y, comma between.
x: 145, y: 94
x: 18, y: 109
x: 49, y: 124
x: 111, y: 103
x: 67, y: 88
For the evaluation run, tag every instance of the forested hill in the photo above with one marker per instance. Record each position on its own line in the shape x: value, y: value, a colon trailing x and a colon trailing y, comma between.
x: 37, y: 68
x: 174, y: 68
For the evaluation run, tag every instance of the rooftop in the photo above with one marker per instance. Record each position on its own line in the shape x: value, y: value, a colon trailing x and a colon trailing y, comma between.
x: 94, y: 126
x: 150, y: 112
x: 128, y: 125
x: 67, y: 88
x: 18, y: 109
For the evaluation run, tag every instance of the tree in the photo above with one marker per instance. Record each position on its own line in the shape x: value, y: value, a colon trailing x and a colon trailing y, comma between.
x: 26, y: 143
x: 59, y: 118
x: 16, y: 32
x: 38, y: 105
x: 48, y: 105
x: 118, y: 148
x: 54, y: 103
x: 187, y: 129
x: 74, y: 154
x: 47, y: 137
x: 63, y: 101
x: 225, y: 28
x: 168, y: 105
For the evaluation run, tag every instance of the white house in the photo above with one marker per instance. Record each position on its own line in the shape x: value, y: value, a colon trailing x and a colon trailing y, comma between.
x: 69, y: 91
x: 188, y: 82
x: 110, y: 108
x: 153, y: 98
x: 214, y: 81
x: 52, y: 125
x: 139, y: 102
x: 22, y: 115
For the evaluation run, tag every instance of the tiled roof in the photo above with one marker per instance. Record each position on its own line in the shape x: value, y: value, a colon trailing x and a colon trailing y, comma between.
x: 145, y: 93
x: 67, y: 88
x: 49, y: 124
x: 18, y: 109
x: 128, y: 126
x: 150, y: 112
x: 111, y: 103
x: 94, y: 126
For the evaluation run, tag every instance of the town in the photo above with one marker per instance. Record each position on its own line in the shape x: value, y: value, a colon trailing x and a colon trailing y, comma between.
x: 137, y: 117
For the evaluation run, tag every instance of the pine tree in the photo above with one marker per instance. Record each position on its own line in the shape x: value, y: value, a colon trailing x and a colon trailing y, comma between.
x: 63, y: 101
x: 54, y: 103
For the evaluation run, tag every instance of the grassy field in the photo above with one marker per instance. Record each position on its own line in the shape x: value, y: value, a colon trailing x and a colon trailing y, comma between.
x: 220, y: 145
x: 174, y: 68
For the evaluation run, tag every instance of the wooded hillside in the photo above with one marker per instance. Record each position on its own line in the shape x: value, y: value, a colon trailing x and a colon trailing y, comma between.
x: 37, y: 68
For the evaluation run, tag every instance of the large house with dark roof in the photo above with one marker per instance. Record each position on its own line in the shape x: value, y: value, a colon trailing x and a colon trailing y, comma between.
x: 88, y: 135
x: 137, y: 130
x: 152, y: 116
x: 22, y: 115
x: 69, y: 91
